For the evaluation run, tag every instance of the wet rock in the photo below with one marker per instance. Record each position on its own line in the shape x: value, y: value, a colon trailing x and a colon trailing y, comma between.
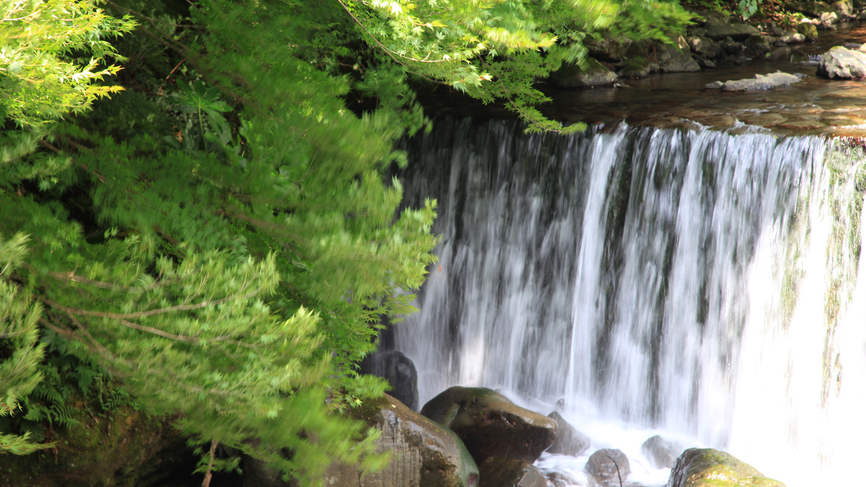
x: 572, y: 76
x: 673, y: 60
x: 760, y: 82
x: 712, y: 468
x: 490, y: 425
x: 842, y: 63
x: 706, y: 64
x: 828, y: 19
x: 637, y: 67
x: 660, y: 452
x: 500, y: 472
x: 609, y: 467
x: 423, y: 452
x: 399, y: 371
x: 569, y: 441
x: 718, y: 31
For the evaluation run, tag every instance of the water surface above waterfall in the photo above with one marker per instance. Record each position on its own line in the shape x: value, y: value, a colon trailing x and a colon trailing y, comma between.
x: 695, y: 283
x: 813, y: 106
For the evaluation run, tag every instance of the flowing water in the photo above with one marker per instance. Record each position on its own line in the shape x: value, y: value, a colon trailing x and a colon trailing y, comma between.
x: 692, y: 283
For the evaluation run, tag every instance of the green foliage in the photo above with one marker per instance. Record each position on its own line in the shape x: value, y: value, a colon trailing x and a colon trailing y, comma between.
x: 43, y: 75
x: 19, y: 347
x: 220, y: 236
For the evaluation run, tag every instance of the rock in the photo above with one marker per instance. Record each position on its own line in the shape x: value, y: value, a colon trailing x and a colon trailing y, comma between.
x: 812, y: 9
x: 423, y: 452
x: 499, y: 472
x: 673, y: 60
x: 572, y: 76
x: 782, y: 53
x: 608, y: 466
x: 569, y: 441
x: 809, y: 31
x: 706, y: 64
x: 610, y: 49
x: 761, y: 82
x: 717, y: 31
x: 123, y: 447
x: 829, y: 18
x: 702, y: 45
x: 732, y: 47
x: 843, y: 8
x: 842, y: 63
x: 637, y: 67
x: 756, y: 46
x: 399, y: 371
x: 564, y: 478
x: 660, y: 452
x: 793, y: 38
x: 490, y: 425
x: 712, y: 468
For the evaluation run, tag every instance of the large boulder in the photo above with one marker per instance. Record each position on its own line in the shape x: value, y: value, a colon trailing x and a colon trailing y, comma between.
x: 573, y: 76
x: 490, y: 425
x: 707, y: 467
x: 500, y: 472
x: 719, y: 30
x: 399, y: 371
x: 660, y: 452
x: 842, y: 63
x: 609, y: 467
x: 569, y: 441
x: 760, y: 82
x: 422, y: 453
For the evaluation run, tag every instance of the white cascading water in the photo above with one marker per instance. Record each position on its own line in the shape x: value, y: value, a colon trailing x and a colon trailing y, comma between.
x: 696, y: 284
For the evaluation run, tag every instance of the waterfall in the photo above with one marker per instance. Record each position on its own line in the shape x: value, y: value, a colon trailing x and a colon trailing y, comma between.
x: 697, y: 283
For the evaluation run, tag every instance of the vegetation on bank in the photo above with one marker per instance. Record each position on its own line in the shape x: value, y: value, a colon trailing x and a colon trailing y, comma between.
x: 192, y: 207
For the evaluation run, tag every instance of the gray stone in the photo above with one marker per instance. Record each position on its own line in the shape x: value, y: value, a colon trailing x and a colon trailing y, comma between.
x: 701, y: 45
x: 843, y: 8
x: 717, y: 31
x: 569, y: 441
x: 829, y: 18
x: 812, y: 9
x: 731, y: 47
x: 572, y: 76
x: 490, y: 425
x: 760, y: 82
x: 499, y: 472
x: 756, y: 46
x: 661, y: 452
x: 399, y: 371
x: 842, y: 63
x: 673, y: 60
x: 780, y: 54
x: 610, y: 49
x: 637, y: 67
x: 793, y: 38
x: 715, y: 85
x: 705, y: 467
x: 609, y: 467
x: 706, y: 64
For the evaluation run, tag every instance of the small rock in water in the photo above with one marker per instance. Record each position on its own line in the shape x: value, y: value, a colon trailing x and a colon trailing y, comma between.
x: 760, y: 82
x: 608, y: 466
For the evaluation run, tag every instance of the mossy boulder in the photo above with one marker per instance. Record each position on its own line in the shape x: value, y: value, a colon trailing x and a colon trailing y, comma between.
x: 636, y: 67
x: 706, y: 467
x: 121, y: 448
